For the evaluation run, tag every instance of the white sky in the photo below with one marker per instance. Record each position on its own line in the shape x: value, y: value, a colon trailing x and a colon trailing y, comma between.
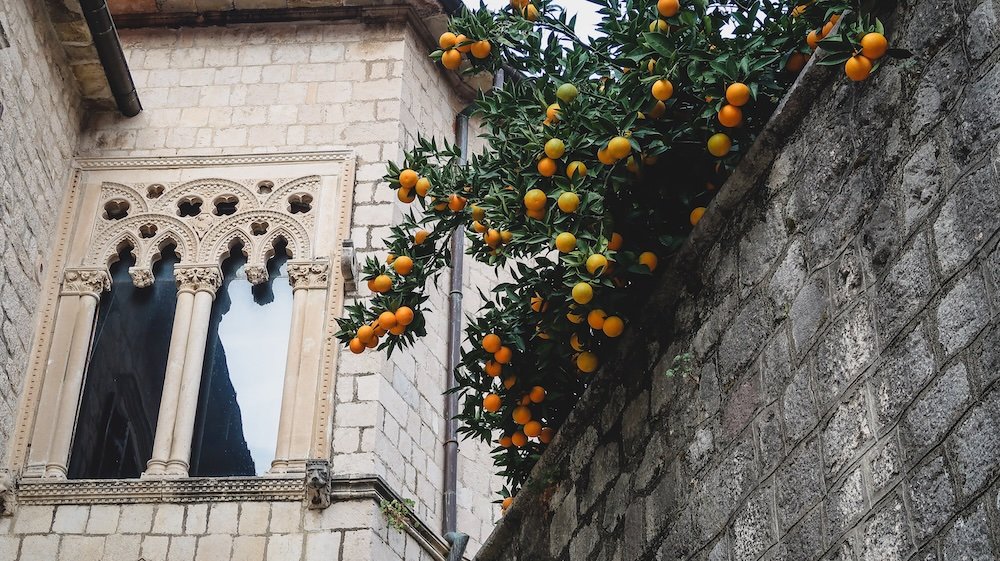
x: 587, y: 16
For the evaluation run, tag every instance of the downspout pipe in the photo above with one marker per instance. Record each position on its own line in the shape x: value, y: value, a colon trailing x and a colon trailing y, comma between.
x: 450, y: 519
x: 109, y: 50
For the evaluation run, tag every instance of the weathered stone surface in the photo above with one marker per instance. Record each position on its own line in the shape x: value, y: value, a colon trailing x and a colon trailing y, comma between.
x: 932, y: 497
x: 752, y: 530
x: 936, y: 409
x: 975, y: 446
x: 905, y: 290
x: 743, y: 339
x: 969, y: 538
x: 886, y: 535
x: 963, y: 312
x: 906, y: 367
x: 844, y: 352
x: 809, y: 311
x: 846, y: 433
x: 799, y: 409
x: 845, y: 504
x: 798, y: 483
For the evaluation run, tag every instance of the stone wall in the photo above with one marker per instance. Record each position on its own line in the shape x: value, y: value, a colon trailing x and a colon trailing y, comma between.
x: 40, y: 117
x: 839, y: 304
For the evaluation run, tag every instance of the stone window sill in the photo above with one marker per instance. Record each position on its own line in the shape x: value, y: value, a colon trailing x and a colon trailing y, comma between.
x: 182, y: 490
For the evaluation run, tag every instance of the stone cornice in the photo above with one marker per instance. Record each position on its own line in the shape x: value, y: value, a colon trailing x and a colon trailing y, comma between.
x: 309, y: 274
x: 86, y: 281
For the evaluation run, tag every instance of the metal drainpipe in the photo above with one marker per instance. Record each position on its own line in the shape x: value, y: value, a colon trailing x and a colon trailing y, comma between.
x: 450, y: 522
x: 109, y: 50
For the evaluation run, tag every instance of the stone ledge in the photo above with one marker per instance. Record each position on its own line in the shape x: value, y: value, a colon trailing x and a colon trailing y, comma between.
x: 642, y: 345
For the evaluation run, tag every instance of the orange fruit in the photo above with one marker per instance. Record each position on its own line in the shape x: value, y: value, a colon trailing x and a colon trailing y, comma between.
x: 405, y: 195
x: 605, y: 157
x: 420, y: 237
x: 534, y: 199
x: 668, y: 8
x: 696, y: 215
x: 460, y: 47
x: 451, y: 59
x: 408, y: 179
x: 481, y: 49
x: 423, y: 186
x: 587, y: 362
x: 532, y: 428
x: 537, y: 303
x: 555, y: 148
x: 537, y: 394
x: 357, y: 347
x: 573, y: 317
x: 658, y: 25
x: 506, y: 236
x: 403, y: 265
x: 595, y: 319
x: 730, y: 116
x: 613, y: 326
x: 373, y: 343
x: 478, y: 227
x: 492, y: 238
x: 521, y: 414
x: 456, y: 202
x: 596, y: 264
x: 583, y: 293
x: 531, y: 12
x: 827, y: 28
x: 492, y: 402
x: 518, y: 439
x: 658, y: 110
x: 552, y: 112
x: 874, y: 46
x: 858, y: 68
x: 505, y: 442
x: 619, y: 147
x: 398, y: 329
x: 568, y: 202
x: 519, y: 4
x: 503, y: 355
x: 574, y: 341
x: 813, y: 39
x: 447, y: 40
x: 738, y: 94
x: 796, y: 63
x: 492, y: 343
x: 547, y: 167
x: 648, y: 258
x: 404, y: 316
x: 381, y: 283
x: 546, y: 436
x: 506, y: 503
x: 662, y: 90
x: 576, y: 169
x: 509, y: 382
x: 493, y: 368
x: 719, y: 144
x: 616, y: 241
x: 536, y: 214
x: 565, y: 242
x: 365, y: 333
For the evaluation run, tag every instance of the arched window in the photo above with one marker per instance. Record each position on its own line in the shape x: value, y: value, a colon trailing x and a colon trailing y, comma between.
x: 240, y: 402
x: 124, y: 380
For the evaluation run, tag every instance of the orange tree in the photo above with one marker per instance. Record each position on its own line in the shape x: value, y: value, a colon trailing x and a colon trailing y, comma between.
x: 601, y: 155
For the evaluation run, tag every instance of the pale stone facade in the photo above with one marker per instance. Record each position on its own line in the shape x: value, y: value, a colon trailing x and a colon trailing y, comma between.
x: 360, y: 91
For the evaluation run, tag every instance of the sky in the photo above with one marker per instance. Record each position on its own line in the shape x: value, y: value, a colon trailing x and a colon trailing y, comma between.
x: 587, y: 16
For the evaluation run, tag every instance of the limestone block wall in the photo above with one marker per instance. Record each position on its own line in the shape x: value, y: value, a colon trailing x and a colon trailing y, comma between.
x: 839, y: 304
x: 40, y: 117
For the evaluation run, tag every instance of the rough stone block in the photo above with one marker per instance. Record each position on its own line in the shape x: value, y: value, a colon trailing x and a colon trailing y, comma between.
x: 753, y: 526
x: 844, y: 351
x: 906, y: 367
x: 845, y: 503
x: 886, y: 465
x: 254, y: 518
x: 904, y: 291
x: 33, y: 519
x: 252, y: 548
x: 71, y: 519
x: 969, y: 537
x: 846, y: 433
x: 804, y: 540
x: 798, y: 406
x: 975, y: 447
x: 963, y: 312
x: 932, y: 498
x: 743, y: 340
x: 886, y: 535
x: 933, y: 413
x: 809, y: 311
x: 799, y: 484
x: 81, y: 548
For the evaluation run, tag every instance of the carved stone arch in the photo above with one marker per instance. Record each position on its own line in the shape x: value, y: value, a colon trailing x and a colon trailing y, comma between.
x: 108, y: 255
x: 279, y: 197
x: 264, y: 249
x: 107, y: 242
x: 214, y: 243
x: 207, y: 190
x: 111, y: 190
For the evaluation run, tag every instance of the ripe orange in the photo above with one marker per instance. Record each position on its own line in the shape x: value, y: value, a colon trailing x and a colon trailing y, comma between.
x: 456, y: 202
x: 613, y: 326
x: 874, y: 46
x: 719, y: 145
x: 460, y: 47
x: 506, y: 236
x: 576, y: 169
x: 357, y: 347
x: 568, y: 202
x: 532, y: 428
x: 451, y: 59
x: 531, y: 12
x: 827, y: 28
x: 555, y: 148
x: 738, y: 94
x: 404, y: 316
x: 504, y: 355
x: 537, y: 394
x: 481, y: 49
x: 619, y: 147
x: 696, y: 215
x: 796, y: 63
x: 423, y: 186
x: 521, y: 414
x: 813, y: 39
x: 447, y: 40
x: 492, y: 238
x: 493, y: 368
x: 546, y: 436
x: 547, y: 167
x: 574, y: 341
x: 565, y: 242
x: 668, y: 8
x: 583, y: 293
x: 730, y: 116
x: 660, y: 25
x: 492, y: 343
x: 381, y: 283
x: 509, y: 382
x: 536, y: 214
x: 478, y: 227
x: 587, y: 362
x: 534, y: 199
x: 573, y: 317
x: 537, y: 303
x: 858, y: 68
x: 505, y: 442
x: 518, y: 439
x: 408, y: 179
x: 595, y: 319
x: 616, y: 241
x: 519, y: 4
x: 506, y: 502
x: 372, y: 344
x: 605, y: 157
x: 596, y: 264
x: 663, y: 90
x: 405, y: 195
x: 403, y: 265
x: 648, y: 258
x: 420, y: 236
x: 398, y: 329
x: 387, y: 320
x: 492, y: 402
x: 658, y: 110
x: 552, y: 112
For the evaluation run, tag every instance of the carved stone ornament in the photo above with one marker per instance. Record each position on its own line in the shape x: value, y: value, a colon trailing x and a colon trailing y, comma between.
x: 86, y: 281
x: 256, y: 274
x: 207, y: 277
x: 318, y: 479
x: 315, y: 274
x: 7, y: 498
x: 142, y: 277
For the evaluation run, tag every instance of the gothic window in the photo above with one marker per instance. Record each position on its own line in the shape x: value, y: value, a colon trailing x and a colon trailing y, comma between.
x: 121, y: 395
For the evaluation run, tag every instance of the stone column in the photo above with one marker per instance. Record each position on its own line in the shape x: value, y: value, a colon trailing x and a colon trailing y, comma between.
x: 64, y: 374
x: 196, y: 288
x: 310, y: 283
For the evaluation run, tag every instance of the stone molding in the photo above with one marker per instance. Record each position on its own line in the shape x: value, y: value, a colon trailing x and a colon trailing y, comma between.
x: 197, y: 278
x: 92, y: 281
x: 310, y: 274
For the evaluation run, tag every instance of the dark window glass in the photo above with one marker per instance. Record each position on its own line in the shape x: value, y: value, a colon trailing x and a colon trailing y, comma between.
x: 121, y: 395
x: 237, y: 424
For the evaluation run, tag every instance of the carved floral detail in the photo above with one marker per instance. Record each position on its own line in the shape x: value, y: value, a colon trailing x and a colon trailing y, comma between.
x: 141, y: 276
x: 309, y: 275
x: 86, y: 281
x: 256, y: 274
x: 196, y: 278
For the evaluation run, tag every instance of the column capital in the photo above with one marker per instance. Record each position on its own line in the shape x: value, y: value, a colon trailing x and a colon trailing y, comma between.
x: 92, y: 281
x: 309, y: 274
x: 198, y: 278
